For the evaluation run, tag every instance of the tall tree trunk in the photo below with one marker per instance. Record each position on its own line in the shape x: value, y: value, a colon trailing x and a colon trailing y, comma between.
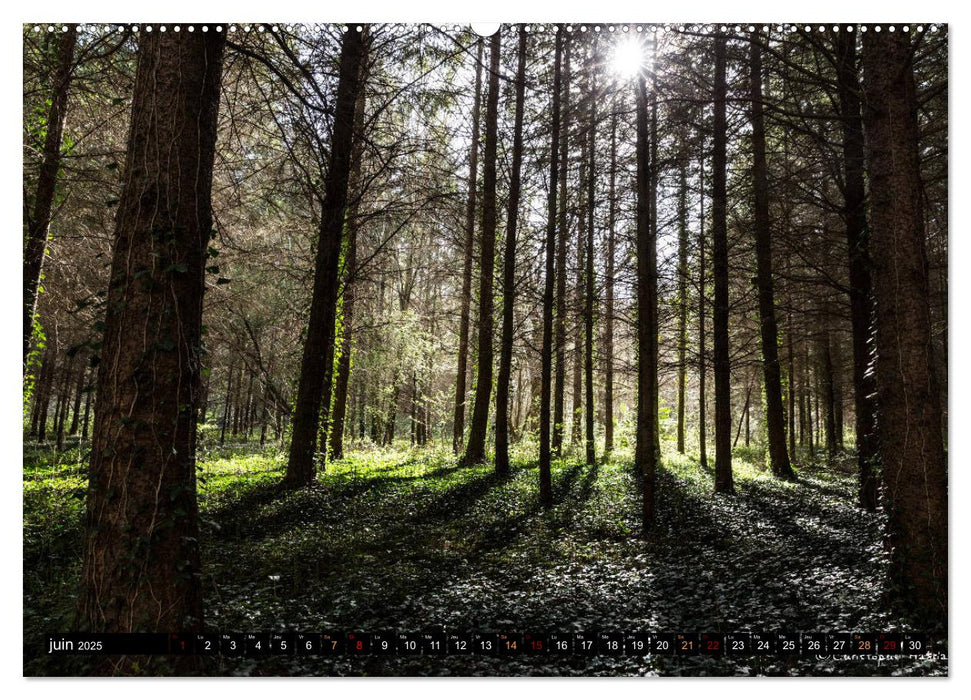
x: 38, y: 219
x: 682, y: 296
x: 771, y: 371
x: 546, y: 355
x: 458, y: 430
x: 791, y: 375
x: 356, y: 188
x: 479, y: 428
x: 317, y: 363
x: 591, y: 450
x: 719, y: 202
x: 858, y: 245
x: 654, y: 173
x: 911, y: 432
x: 140, y: 557
x: 559, y: 342
x: 608, y: 349
x: 645, y: 455
x: 509, y: 268
x: 702, y: 323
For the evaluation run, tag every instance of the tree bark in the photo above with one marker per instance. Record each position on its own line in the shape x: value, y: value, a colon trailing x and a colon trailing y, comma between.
x: 509, y: 269
x: 723, y: 377
x: 702, y: 324
x: 858, y: 245
x: 559, y: 343
x: 608, y: 349
x: 546, y: 355
x: 591, y: 450
x: 682, y: 296
x: 140, y: 556
x: 39, y: 218
x: 645, y: 455
x: 771, y: 371
x: 458, y: 430
x: 475, y: 451
x: 911, y: 431
x: 317, y: 363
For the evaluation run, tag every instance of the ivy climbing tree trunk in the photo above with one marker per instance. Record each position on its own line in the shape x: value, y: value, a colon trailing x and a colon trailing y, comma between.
x: 913, y: 459
x: 316, y: 366
x: 475, y: 451
x: 38, y: 218
x: 356, y: 189
x: 140, y: 556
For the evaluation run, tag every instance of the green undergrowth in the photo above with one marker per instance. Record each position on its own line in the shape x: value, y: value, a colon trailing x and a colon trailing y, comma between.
x: 405, y: 539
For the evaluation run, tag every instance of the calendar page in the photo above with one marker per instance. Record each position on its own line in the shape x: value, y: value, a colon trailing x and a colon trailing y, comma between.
x: 459, y: 349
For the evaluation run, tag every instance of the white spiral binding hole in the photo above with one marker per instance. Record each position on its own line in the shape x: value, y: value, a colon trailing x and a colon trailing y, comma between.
x: 530, y: 28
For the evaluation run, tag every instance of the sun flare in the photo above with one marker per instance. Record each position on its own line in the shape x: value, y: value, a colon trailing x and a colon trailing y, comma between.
x: 629, y: 58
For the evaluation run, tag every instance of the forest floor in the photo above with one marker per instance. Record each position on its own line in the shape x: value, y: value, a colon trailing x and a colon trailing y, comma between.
x: 406, y: 540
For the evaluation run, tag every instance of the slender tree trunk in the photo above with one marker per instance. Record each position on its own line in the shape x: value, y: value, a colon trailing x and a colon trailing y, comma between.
x: 682, y: 297
x: 317, y: 364
x: 63, y: 401
x: 608, y: 349
x: 591, y: 450
x: 858, y: 245
x: 792, y: 383
x: 645, y: 455
x: 546, y: 355
x: 227, y: 404
x: 44, y: 391
x: 78, y: 391
x: 509, y: 269
x: 654, y: 172
x: 723, y: 377
x: 38, y: 219
x: 911, y: 431
x: 140, y: 557
x: 475, y: 451
x: 771, y: 370
x: 40, y: 395
x: 829, y: 395
x: 702, y: 325
x: 458, y: 434
x: 559, y: 386
x: 89, y: 390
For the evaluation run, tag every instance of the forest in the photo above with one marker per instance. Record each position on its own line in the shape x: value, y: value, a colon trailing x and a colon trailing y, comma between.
x: 565, y: 328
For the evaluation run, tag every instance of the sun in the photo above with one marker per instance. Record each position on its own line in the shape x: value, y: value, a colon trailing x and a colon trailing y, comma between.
x: 629, y: 57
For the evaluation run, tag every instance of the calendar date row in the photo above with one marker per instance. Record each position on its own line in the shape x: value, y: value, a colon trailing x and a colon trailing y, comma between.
x: 493, y: 643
